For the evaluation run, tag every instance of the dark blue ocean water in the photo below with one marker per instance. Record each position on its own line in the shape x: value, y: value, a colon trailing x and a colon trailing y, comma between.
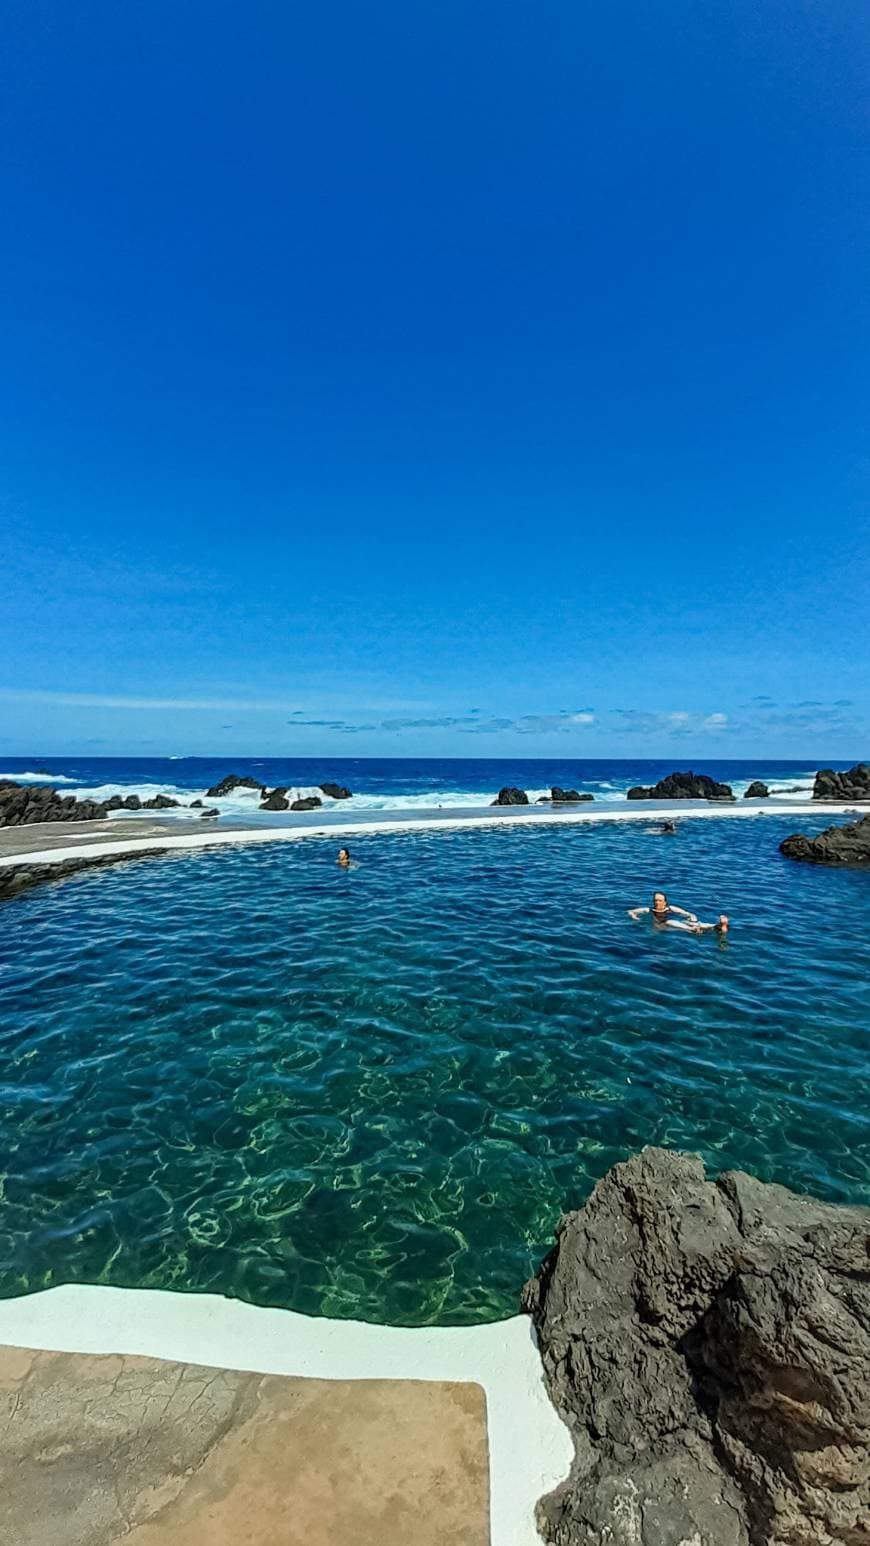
x: 371, y: 1093
x: 391, y: 782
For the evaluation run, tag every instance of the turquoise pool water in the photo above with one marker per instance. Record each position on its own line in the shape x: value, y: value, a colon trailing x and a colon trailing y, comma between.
x: 371, y: 1093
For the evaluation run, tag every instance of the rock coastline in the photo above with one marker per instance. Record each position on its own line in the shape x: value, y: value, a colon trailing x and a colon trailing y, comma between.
x: 848, y: 787
x: 849, y: 844
x: 708, y: 1345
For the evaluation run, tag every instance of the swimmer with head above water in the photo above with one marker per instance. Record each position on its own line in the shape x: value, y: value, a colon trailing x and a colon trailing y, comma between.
x: 344, y: 859
x: 669, y: 916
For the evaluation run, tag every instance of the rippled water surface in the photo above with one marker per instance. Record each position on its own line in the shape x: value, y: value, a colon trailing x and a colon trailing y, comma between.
x: 370, y: 1093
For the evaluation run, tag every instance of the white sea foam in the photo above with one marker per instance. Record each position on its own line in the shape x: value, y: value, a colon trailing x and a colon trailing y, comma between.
x: 38, y: 778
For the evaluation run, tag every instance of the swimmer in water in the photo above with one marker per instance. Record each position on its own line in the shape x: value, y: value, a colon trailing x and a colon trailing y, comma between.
x: 663, y: 912
x: 344, y: 858
x: 720, y: 927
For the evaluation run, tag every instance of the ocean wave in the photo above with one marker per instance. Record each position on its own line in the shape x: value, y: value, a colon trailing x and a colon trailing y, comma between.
x: 39, y: 778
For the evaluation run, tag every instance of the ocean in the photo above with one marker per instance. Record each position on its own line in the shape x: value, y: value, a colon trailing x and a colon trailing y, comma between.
x: 392, y: 783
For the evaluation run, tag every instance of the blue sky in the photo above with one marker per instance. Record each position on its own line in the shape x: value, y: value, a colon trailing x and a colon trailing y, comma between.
x: 451, y: 379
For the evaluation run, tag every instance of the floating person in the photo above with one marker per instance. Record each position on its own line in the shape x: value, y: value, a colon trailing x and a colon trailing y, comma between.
x: 344, y: 858
x: 664, y: 912
x: 665, y: 829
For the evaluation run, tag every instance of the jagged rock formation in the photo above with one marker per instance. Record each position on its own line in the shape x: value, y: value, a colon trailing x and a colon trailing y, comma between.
x: 309, y: 802
x: 276, y: 801
x: 683, y: 786
x: 757, y: 791
x: 567, y: 796
x: 854, y: 785
x: 231, y: 782
x: 22, y: 806
x: 335, y: 791
x: 849, y: 844
x: 708, y: 1345
x: 511, y: 796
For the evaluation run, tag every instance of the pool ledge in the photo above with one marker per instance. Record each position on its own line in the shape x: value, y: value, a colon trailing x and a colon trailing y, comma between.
x: 102, y: 844
x: 530, y: 1450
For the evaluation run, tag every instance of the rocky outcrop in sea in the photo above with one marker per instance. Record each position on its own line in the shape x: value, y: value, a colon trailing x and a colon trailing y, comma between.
x: 511, y: 796
x: 683, y: 786
x: 708, y: 1345
x: 756, y: 791
x: 849, y: 844
x: 28, y: 805
x: 854, y: 785
x: 230, y: 783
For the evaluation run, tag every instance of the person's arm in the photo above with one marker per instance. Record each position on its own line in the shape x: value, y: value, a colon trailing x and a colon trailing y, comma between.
x: 636, y: 912
x: 692, y: 917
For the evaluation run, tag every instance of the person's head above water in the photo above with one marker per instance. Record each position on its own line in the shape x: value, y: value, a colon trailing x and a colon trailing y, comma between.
x: 660, y: 903
x: 722, y: 925
x: 343, y: 857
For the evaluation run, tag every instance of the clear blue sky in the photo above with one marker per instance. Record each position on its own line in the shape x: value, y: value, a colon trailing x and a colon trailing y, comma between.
x: 437, y: 378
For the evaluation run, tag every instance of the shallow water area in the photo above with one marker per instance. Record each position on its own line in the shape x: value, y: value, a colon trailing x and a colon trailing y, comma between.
x: 370, y: 1093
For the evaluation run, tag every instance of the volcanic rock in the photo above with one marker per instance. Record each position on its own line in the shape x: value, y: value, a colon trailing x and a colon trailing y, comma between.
x: 24, y: 806
x: 231, y: 782
x: 132, y: 803
x: 160, y: 802
x: 757, y: 791
x: 567, y: 796
x: 854, y: 785
x: 708, y: 1345
x: 311, y: 802
x: 335, y: 791
x: 276, y: 801
x: 196, y: 805
x: 849, y: 844
x: 683, y: 786
x: 510, y: 796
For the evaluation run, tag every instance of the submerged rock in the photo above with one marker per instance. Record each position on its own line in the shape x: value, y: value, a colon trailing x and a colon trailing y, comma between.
x: 567, y: 796
x: 511, y: 796
x: 708, y: 1345
x: 310, y: 802
x: 335, y: 791
x: 757, y: 791
x: 683, y: 786
x: 231, y: 782
x: 849, y: 844
x: 854, y: 785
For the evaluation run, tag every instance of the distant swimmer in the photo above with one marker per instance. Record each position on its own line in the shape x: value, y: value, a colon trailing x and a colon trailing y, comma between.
x: 665, y: 829
x: 344, y: 858
x: 663, y: 912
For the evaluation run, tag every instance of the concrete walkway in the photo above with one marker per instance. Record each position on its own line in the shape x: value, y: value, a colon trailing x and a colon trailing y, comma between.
x: 102, y: 1449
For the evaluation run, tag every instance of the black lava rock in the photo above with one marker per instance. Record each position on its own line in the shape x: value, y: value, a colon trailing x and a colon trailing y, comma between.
x: 683, y: 786
x: 757, y: 791
x: 854, y: 785
x: 309, y: 803
x: 231, y: 782
x: 335, y: 792
x: 836, y: 845
x: 567, y: 796
x: 708, y: 1345
x: 510, y: 796
x: 276, y: 801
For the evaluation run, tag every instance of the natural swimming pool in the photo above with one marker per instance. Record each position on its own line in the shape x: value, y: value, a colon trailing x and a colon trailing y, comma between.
x: 371, y: 1093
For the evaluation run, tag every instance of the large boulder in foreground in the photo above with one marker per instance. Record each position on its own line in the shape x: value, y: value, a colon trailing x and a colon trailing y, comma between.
x: 683, y: 786
x: 708, y: 1345
x: 511, y: 796
x: 854, y: 785
x: 849, y: 844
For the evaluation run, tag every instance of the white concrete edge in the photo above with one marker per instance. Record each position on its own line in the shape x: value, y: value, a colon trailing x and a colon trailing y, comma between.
x: 214, y: 838
x: 530, y: 1450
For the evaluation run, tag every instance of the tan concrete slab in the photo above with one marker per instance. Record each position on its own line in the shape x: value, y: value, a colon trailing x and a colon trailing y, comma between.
x: 98, y: 1449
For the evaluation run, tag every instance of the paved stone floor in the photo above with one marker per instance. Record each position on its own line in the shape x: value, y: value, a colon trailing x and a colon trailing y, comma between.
x: 95, y: 1450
